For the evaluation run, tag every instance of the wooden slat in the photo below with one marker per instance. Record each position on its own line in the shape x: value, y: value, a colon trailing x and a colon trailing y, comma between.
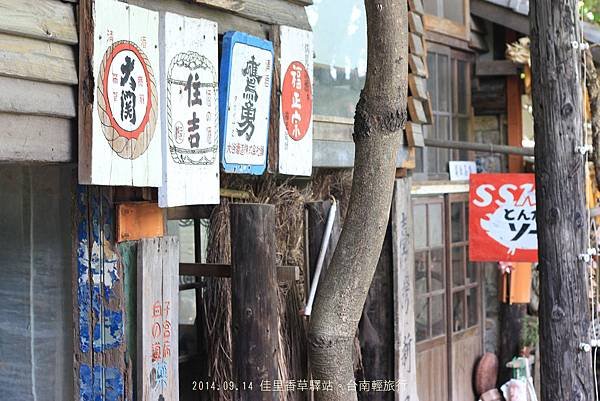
x: 414, y: 135
x: 416, y: 6
x: 37, y: 60
x: 418, y: 87
x: 267, y: 11
x: 428, y: 111
x: 328, y: 131
x: 36, y: 138
x: 415, y: 45
x: 416, y: 111
x: 22, y: 96
x: 495, y: 67
x: 417, y: 66
x: 48, y: 20
x: 415, y: 23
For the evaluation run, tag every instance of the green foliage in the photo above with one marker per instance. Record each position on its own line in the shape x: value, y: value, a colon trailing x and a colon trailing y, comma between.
x: 591, y: 10
x: 530, y: 331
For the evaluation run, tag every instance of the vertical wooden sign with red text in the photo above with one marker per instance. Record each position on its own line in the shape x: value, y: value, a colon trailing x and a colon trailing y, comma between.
x: 158, y: 319
x: 295, y: 121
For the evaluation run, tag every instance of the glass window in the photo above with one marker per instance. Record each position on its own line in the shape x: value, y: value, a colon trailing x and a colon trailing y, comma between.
x: 449, y: 9
x: 458, y: 310
x: 340, y: 64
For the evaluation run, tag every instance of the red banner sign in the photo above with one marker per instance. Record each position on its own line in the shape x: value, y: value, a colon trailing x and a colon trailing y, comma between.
x: 502, y: 224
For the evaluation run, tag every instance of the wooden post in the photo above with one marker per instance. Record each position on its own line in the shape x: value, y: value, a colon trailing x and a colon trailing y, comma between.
x: 562, y: 223
x: 514, y: 116
x: 254, y: 301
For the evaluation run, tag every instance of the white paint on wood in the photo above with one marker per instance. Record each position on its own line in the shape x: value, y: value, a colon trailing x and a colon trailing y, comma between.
x: 26, y: 137
x: 31, y: 97
x: 48, y: 20
x: 158, y: 319
x: 405, y: 362
x: 37, y: 60
x: 190, y: 112
x: 295, y: 121
x: 126, y: 140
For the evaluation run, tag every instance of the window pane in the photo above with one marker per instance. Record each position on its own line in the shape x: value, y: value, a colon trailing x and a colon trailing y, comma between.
x: 462, y: 86
x: 431, y: 7
x: 463, y: 135
x: 422, y: 318
x: 431, y: 81
x: 454, y: 10
x: 437, y: 269
x: 421, y: 286
x: 472, y: 306
x: 458, y: 264
x: 457, y: 222
x: 472, y: 270
x: 458, y: 310
x: 443, y: 81
x: 420, y: 215
x: 340, y: 55
x: 435, y: 224
x: 438, y: 312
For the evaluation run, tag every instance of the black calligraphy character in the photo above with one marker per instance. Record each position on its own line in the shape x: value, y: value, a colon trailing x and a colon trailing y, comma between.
x: 246, y: 126
x: 522, y: 230
x: 252, y: 79
x: 128, y: 98
x: 193, y: 126
x: 193, y: 89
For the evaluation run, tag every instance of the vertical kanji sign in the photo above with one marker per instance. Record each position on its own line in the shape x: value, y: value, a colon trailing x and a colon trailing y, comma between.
x: 502, y: 221
x: 158, y: 319
x: 190, y: 112
x: 296, y: 119
x: 121, y: 144
x: 245, y: 102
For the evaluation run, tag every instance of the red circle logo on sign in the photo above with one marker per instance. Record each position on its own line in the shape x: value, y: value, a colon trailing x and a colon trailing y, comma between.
x: 296, y: 100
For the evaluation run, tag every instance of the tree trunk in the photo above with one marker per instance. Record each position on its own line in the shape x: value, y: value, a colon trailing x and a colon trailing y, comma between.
x: 593, y: 88
x: 566, y: 373
x: 378, y: 122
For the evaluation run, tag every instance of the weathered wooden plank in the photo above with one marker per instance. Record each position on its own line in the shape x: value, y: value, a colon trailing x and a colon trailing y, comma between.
x: 284, y: 273
x: 274, y: 12
x: 157, y: 319
x: 495, y: 67
x: 416, y: 6
x: 49, y: 20
x: 428, y: 111
x: 37, y: 60
x: 416, y: 111
x: 415, y: 45
x: 273, y: 140
x: 403, y: 277
x: 256, y: 344
x: 417, y: 66
x: 28, y: 138
x: 418, y: 87
x: 331, y: 131
x: 415, y: 23
x: 414, y: 135
x: 22, y: 96
x: 189, y: 212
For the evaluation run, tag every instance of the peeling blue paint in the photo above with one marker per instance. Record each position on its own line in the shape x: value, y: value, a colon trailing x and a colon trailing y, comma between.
x: 109, y: 335
x: 83, y: 285
x: 100, y: 384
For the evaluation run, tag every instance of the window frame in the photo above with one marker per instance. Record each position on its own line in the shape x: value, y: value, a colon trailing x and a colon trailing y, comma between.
x: 448, y: 27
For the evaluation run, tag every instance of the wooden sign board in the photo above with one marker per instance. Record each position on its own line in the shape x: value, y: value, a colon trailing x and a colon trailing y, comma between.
x: 245, y: 102
x: 119, y: 136
x: 137, y: 220
x: 158, y: 319
x: 190, y: 112
x: 295, y: 121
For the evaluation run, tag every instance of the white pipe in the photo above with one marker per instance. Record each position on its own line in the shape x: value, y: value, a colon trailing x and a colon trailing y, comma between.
x: 319, y: 268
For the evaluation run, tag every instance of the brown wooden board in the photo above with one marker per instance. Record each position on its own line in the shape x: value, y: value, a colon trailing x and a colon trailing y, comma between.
x: 415, y: 23
x: 137, y: 220
x: 416, y: 6
x: 414, y: 134
x: 416, y: 111
x: 418, y: 87
x: 273, y: 141
x: 415, y: 45
x: 157, y: 319
x: 417, y: 66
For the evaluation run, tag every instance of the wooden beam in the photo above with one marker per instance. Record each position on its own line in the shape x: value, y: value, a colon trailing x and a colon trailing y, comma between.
x: 189, y: 212
x: 500, y: 15
x: 485, y: 68
x: 28, y: 138
x: 48, y: 20
x: 273, y: 141
x: 284, y: 273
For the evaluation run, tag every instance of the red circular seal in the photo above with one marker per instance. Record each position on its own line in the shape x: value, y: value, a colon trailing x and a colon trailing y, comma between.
x: 296, y: 100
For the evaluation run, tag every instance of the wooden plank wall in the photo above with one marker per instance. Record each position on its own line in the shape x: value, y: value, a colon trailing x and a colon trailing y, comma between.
x: 38, y: 78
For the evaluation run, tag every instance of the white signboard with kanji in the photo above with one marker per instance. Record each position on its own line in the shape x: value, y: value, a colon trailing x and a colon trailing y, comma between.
x: 245, y: 96
x: 295, y: 121
x: 190, y: 112
x: 124, y: 145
